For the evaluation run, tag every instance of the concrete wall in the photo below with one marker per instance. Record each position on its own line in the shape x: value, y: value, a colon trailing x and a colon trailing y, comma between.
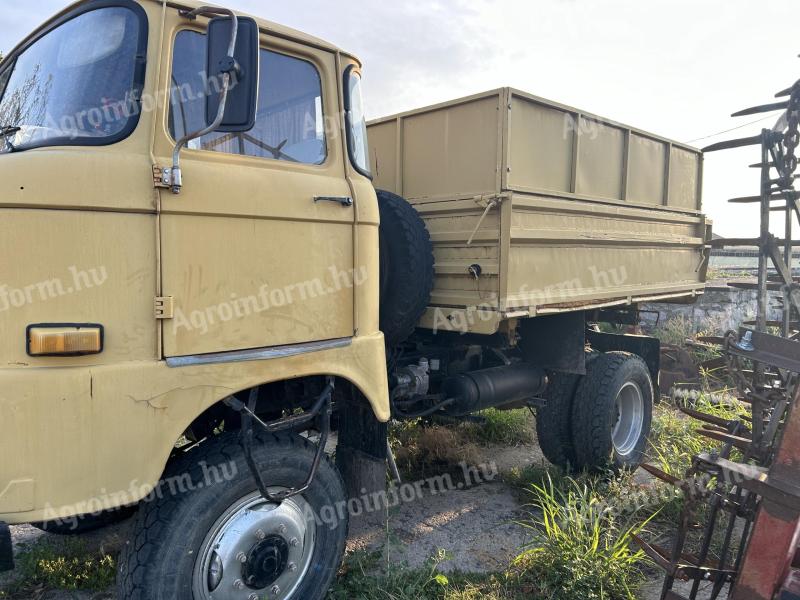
x: 721, y: 308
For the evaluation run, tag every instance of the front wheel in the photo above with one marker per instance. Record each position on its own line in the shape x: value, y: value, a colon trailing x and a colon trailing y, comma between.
x: 86, y: 523
x: 612, y: 412
x: 216, y: 537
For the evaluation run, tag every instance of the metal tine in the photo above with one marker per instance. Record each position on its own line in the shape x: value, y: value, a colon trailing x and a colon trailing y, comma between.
x: 717, y: 429
x: 771, y: 165
x: 738, y: 143
x: 658, y: 555
x: 716, y: 340
x: 659, y: 474
x: 741, y: 443
x: 713, y: 364
x: 679, y: 543
x: 690, y: 560
x: 754, y: 199
x: 724, y: 424
x: 788, y: 91
x: 716, y: 504
x: 754, y: 110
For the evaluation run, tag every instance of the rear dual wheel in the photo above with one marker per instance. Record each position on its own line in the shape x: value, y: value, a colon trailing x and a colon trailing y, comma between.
x: 601, y: 419
x: 612, y: 412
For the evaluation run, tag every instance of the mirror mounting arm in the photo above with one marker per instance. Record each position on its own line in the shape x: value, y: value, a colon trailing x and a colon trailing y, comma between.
x: 176, y: 178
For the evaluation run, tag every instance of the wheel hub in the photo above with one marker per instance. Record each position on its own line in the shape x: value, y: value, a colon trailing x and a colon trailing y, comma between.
x: 256, y: 549
x: 266, y: 562
x: 629, y: 422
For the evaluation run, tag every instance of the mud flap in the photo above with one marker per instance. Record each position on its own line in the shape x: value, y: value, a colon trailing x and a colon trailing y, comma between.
x: 6, y: 549
x: 648, y: 348
x: 361, y: 453
x: 556, y: 342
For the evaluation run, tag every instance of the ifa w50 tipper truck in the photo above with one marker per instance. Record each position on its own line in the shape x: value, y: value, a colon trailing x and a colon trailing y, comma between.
x: 200, y: 282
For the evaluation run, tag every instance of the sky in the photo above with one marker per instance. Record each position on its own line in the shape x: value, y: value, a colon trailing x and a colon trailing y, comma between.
x: 677, y: 68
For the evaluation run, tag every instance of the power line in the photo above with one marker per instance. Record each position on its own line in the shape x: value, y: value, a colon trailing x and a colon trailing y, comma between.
x: 732, y: 129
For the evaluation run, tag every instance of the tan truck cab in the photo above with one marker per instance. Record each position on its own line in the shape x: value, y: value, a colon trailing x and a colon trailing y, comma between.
x: 129, y: 314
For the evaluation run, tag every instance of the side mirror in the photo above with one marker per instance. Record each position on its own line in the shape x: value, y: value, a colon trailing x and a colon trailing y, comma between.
x: 242, y: 98
x: 232, y: 71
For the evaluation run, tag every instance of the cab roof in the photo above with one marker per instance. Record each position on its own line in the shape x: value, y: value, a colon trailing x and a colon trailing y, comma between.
x: 267, y: 27
x: 263, y: 24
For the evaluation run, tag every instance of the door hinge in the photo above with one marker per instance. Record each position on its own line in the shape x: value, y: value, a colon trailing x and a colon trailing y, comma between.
x: 162, y: 177
x: 165, y: 307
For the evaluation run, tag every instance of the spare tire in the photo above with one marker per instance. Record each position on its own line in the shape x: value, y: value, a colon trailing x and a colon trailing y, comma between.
x: 406, y: 269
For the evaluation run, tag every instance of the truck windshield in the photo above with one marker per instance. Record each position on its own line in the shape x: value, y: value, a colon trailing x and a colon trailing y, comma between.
x: 76, y: 84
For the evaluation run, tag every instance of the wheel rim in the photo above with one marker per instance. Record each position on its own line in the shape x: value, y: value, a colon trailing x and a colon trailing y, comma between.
x: 629, y: 418
x: 256, y: 550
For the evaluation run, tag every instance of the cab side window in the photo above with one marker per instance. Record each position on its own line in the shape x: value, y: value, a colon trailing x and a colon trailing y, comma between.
x: 289, y: 123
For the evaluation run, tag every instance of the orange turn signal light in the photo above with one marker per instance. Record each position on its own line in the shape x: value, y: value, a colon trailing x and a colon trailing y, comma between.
x: 64, y: 339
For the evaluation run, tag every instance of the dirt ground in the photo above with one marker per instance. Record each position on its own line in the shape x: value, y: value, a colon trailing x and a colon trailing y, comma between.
x: 476, y: 525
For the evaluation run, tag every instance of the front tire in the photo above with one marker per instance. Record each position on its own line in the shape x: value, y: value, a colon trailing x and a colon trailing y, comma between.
x: 86, y: 523
x: 219, y: 539
x: 612, y: 412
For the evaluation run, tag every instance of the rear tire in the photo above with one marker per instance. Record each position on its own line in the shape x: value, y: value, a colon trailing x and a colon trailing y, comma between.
x: 222, y: 537
x: 612, y: 412
x: 554, y: 420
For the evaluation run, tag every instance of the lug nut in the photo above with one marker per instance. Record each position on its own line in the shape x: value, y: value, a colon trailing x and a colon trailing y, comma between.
x: 275, y: 590
x: 242, y: 558
x: 252, y: 597
x: 260, y: 534
x: 292, y: 567
x: 282, y: 529
x: 238, y: 584
x: 294, y: 542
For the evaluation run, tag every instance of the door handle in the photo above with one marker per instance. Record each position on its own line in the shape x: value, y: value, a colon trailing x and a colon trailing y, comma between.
x: 343, y: 200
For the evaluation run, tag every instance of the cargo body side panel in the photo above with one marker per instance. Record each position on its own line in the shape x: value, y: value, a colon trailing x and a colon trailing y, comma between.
x: 448, y: 151
x: 552, y: 148
x: 566, y: 253
x: 558, y: 209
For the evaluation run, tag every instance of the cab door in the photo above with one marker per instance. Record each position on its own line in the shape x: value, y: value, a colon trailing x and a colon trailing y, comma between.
x: 258, y: 249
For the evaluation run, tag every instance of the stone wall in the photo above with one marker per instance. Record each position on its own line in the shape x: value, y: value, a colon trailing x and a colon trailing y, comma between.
x: 721, y: 308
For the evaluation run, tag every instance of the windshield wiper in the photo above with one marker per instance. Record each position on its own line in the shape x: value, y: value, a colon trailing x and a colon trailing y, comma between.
x: 6, y: 131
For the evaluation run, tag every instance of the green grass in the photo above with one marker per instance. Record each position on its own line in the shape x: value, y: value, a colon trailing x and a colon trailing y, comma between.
x: 674, y: 440
x: 675, y: 331
x: 364, y: 577
x: 721, y: 273
x: 68, y: 565
x: 580, y: 549
x: 423, y: 449
x: 503, y: 427
x: 531, y: 475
